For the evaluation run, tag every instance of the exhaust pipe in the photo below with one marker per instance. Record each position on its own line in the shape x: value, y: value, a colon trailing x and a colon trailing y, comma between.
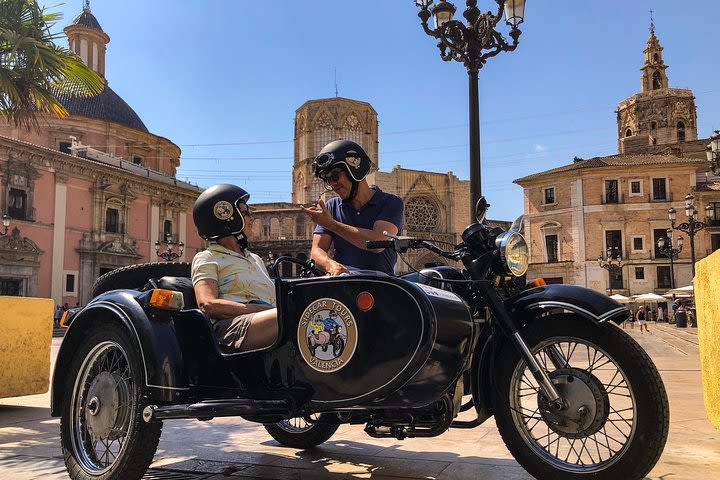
x: 216, y: 408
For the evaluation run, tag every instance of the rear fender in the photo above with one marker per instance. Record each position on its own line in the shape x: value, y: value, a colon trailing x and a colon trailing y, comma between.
x: 156, y: 343
x: 588, y: 304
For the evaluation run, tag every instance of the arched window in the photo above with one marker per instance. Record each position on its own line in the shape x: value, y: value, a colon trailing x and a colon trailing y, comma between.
x: 680, y: 132
x: 628, y: 133
x: 112, y: 220
x: 653, y: 126
x: 167, y: 228
x: 422, y: 215
x: 324, y: 131
x: 656, y: 81
x: 300, y: 228
x: 352, y: 129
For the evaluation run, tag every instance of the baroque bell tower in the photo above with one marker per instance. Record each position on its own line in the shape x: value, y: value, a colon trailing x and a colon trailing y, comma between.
x: 658, y: 115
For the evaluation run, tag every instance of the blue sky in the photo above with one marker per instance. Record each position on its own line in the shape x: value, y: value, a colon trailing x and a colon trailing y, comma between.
x: 222, y: 79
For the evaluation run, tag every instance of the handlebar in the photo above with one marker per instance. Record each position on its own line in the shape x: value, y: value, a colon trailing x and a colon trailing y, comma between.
x: 373, y: 244
x: 402, y: 244
x: 305, y: 265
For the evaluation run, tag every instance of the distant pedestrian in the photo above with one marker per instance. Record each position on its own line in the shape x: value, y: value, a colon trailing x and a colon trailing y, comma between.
x: 66, y: 307
x: 641, y: 316
x: 660, y: 314
x: 632, y: 319
x: 57, y: 315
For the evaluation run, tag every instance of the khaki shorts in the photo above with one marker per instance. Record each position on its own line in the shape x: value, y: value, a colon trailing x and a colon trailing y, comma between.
x: 230, y: 332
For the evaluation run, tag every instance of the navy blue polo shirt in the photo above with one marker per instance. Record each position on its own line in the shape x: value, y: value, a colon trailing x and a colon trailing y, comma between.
x: 381, y: 206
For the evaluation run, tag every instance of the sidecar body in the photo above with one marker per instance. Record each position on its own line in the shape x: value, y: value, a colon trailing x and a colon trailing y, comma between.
x: 398, y: 344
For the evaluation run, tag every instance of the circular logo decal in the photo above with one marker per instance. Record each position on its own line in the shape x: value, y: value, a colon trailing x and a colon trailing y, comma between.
x: 353, y: 161
x: 327, y: 335
x: 223, y: 210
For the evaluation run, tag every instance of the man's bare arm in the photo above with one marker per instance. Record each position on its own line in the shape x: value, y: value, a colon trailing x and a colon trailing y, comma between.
x: 207, y: 296
x: 319, y: 253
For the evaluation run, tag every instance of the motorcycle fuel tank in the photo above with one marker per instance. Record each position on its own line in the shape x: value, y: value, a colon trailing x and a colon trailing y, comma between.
x: 374, y: 341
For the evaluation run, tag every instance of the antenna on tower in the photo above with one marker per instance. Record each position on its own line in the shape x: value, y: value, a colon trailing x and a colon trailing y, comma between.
x: 336, y: 90
x: 652, y: 22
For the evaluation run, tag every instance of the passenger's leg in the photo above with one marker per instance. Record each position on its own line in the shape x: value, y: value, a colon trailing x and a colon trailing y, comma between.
x: 263, y: 331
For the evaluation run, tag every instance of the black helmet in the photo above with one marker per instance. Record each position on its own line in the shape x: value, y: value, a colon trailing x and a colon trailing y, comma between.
x: 342, y: 153
x: 216, y: 212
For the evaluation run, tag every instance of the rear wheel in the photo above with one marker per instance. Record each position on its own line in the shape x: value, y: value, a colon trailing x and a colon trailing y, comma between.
x: 615, y: 419
x: 299, y: 433
x: 102, y: 433
x: 136, y: 276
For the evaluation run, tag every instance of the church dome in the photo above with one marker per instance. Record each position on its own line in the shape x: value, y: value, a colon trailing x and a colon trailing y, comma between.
x: 87, y: 19
x: 105, y: 106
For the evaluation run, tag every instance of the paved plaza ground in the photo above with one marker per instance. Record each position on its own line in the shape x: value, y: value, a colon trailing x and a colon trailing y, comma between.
x: 233, y: 448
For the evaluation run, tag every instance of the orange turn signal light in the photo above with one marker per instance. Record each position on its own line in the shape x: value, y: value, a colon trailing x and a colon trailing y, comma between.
x: 62, y: 319
x: 167, y: 299
x: 537, y: 282
x: 364, y: 301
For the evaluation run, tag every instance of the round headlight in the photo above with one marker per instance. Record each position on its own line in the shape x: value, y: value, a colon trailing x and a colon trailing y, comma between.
x: 513, y: 252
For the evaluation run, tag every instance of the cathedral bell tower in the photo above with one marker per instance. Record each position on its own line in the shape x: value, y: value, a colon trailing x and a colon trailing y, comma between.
x: 658, y: 115
x: 654, y: 76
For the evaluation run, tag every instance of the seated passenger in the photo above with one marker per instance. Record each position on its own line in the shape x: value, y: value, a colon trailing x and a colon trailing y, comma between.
x: 232, y: 285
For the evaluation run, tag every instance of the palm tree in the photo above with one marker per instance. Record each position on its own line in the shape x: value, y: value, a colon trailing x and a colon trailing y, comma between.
x: 34, y: 71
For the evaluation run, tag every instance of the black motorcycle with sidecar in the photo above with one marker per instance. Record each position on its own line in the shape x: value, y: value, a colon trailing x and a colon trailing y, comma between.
x: 573, y: 396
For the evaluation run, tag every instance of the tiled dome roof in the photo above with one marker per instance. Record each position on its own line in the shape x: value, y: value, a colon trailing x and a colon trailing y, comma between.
x: 106, y: 106
x: 87, y: 19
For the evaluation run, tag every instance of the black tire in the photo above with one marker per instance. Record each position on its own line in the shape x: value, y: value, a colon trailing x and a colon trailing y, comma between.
x: 298, y: 433
x: 622, y: 413
x: 136, y: 276
x: 102, y: 433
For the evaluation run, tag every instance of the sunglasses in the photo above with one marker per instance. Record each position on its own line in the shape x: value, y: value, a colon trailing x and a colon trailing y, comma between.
x: 244, y: 210
x: 333, y: 176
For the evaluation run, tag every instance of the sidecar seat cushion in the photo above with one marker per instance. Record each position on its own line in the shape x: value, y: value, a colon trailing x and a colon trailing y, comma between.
x: 180, y: 284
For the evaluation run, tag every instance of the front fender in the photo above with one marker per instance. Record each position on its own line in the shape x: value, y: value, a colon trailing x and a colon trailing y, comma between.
x: 589, y: 304
x: 156, y: 342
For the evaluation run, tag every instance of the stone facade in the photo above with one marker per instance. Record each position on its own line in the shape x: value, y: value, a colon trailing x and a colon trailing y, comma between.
x: 87, y: 193
x: 575, y: 213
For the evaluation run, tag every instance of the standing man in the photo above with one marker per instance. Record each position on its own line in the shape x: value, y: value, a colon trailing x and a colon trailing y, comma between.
x: 359, y: 213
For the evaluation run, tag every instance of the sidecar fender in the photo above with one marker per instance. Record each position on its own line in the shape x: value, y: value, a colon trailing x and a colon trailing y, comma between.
x: 587, y: 303
x: 156, y: 341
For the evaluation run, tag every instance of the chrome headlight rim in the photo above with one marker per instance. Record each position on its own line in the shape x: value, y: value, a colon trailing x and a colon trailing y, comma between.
x: 502, y: 243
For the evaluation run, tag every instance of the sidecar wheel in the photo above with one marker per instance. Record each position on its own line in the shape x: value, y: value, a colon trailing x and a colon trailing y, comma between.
x: 616, y: 416
x: 102, y: 433
x: 298, y: 433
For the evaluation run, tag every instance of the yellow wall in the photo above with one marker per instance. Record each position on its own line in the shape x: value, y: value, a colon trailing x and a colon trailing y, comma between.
x: 25, y: 338
x: 707, y: 286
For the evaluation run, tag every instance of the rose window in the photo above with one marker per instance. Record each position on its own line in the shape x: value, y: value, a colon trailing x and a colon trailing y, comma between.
x: 421, y: 215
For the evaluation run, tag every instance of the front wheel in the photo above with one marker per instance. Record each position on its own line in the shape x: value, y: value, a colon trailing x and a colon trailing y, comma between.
x: 102, y: 433
x: 299, y: 433
x: 615, y: 418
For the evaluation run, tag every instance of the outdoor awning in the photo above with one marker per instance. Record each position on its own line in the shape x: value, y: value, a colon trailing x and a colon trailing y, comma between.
x: 649, y: 297
x: 681, y: 291
x: 620, y: 298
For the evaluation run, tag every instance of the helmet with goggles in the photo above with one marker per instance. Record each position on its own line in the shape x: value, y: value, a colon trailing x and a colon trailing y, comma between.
x: 219, y: 211
x: 343, y: 154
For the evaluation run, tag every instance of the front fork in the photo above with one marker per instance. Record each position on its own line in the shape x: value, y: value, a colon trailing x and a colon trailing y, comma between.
x: 499, y: 311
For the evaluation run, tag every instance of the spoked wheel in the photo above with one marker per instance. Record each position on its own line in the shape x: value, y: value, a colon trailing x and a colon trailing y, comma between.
x: 102, y: 432
x: 615, y: 416
x: 299, y: 433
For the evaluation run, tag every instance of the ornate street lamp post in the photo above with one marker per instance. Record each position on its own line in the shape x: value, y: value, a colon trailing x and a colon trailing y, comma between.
x: 168, y: 254
x: 6, y: 223
x: 666, y: 248
x: 610, y: 264
x: 472, y: 44
x: 713, y: 152
x: 692, y: 226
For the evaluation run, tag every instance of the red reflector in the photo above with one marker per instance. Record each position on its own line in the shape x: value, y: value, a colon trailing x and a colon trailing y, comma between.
x: 364, y: 301
x: 538, y: 282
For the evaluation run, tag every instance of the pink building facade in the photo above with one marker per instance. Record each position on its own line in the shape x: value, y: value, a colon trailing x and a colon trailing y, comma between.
x: 88, y: 193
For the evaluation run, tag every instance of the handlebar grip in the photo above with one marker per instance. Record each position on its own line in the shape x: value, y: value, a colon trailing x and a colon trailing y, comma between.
x: 373, y: 244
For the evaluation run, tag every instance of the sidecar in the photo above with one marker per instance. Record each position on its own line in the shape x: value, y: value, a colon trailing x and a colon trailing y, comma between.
x: 134, y: 356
